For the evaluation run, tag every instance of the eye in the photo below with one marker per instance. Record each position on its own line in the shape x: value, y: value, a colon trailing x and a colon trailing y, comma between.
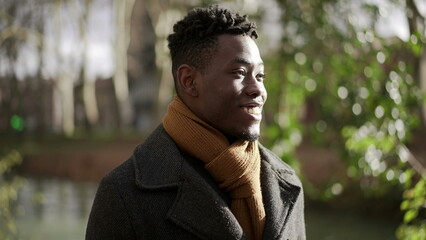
x: 239, y: 73
x: 260, y: 77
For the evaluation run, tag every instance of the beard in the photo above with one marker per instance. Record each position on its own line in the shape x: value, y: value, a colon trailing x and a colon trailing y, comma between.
x: 248, y: 136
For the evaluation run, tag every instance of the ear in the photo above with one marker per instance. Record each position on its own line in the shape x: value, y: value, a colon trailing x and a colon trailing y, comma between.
x: 186, y: 75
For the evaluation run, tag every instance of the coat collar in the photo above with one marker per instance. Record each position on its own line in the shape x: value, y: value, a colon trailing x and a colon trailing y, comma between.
x: 281, y: 189
x: 198, y: 208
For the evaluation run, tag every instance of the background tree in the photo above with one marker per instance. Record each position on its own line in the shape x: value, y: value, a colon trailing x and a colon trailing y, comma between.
x: 122, y: 14
x: 335, y: 80
x: 341, y: 85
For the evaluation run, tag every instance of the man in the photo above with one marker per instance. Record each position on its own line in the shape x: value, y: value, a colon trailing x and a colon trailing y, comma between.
x: 202, y: 173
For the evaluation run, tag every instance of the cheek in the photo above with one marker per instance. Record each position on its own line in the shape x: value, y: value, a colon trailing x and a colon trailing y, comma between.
x: 265, y: 94
x: 223, y: 92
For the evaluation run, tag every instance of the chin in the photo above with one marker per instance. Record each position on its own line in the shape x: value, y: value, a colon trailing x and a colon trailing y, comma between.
x: 246, y: 134
x: 249, y: 137
x: 250, y: 134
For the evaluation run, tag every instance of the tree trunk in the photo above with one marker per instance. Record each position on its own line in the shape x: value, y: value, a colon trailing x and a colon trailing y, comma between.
x: 89, y: 89
x: 122, y: 16
x: 66, y: 89
x: 422, y: 80
x: 417, y: 24
x: 163, y: 17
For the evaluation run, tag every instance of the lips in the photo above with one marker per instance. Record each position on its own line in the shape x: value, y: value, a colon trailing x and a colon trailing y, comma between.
x: 253, y: 108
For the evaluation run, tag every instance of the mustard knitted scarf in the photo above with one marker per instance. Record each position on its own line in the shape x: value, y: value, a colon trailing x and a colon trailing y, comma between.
x: 236, y: 167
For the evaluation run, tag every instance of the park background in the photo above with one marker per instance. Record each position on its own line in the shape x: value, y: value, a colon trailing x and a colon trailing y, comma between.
x: 82, y: 82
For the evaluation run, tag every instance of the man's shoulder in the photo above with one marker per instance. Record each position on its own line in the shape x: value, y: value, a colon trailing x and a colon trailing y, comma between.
x: 157, y: 137
x: 281, y: 168
x: 156, y: 146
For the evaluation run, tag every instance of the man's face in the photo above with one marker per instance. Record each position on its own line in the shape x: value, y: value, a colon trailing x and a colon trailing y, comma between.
x: 230, y: 89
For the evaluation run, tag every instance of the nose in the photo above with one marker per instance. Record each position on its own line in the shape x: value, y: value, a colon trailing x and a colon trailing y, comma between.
x: 255, y: 88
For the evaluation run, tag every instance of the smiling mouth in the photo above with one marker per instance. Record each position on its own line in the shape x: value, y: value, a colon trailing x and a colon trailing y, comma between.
x: 256, y: 110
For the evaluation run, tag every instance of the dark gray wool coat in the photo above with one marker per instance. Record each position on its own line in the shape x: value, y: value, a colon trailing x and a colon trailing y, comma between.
x: 160, y: 194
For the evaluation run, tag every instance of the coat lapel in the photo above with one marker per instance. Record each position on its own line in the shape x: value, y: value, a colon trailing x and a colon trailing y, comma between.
x: 197, y: 207
x: 281, y: 189
x: 200, y: 210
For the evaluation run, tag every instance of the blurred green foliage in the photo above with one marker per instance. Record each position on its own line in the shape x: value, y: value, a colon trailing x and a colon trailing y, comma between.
x: 9, y: 187
x: 349, y: 90
x: 414, y: 225
x: 337, y: 83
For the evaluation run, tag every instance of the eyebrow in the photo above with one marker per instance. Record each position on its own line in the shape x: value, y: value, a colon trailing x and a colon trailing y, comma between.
x: 244, y: 61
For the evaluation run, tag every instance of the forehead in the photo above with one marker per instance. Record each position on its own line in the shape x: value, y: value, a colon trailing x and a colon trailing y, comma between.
x: 237, y: 48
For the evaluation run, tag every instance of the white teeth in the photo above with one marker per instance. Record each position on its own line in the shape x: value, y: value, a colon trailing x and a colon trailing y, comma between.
x: 253, y: 110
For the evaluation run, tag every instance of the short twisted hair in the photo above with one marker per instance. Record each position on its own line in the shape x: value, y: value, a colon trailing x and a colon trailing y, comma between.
x: 194, y: 38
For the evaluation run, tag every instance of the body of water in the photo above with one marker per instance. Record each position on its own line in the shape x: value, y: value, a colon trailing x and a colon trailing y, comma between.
x: 51, y: 209
x: 54, y: 209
